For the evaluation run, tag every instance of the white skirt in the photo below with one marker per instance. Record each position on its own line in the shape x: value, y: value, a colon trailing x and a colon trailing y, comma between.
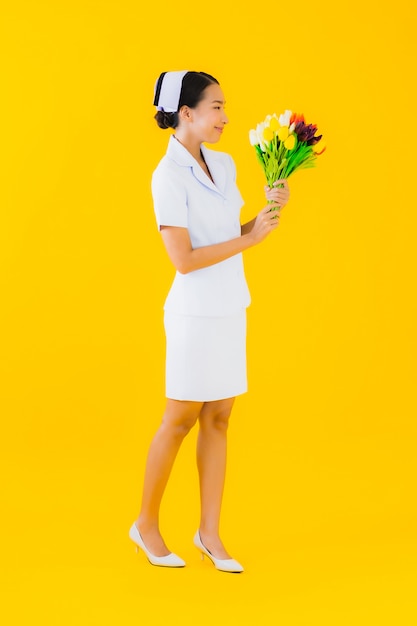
x: 205, y: 357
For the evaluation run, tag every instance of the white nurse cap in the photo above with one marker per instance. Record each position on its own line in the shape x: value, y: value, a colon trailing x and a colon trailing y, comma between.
x: 168, y: 91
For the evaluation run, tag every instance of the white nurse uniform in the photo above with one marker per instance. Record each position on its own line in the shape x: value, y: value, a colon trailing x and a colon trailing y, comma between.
x: 205, y: 310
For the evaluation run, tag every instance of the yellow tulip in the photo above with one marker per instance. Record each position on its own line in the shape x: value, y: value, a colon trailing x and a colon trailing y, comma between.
x: 289, y: 143
x: 282, y: 133
x: 274, y: 124
x: 268, y: 134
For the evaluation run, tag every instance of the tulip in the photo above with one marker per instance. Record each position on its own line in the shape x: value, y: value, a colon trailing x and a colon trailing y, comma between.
x: 297, y: 117
x: 282, y: 133
x: 260, y: 128
x: 305, y: 132
x: 284, y: 119
x: 274, y: 123
x: 253, y: 138
x: 314, y: 140
x: 268, y: 134
x: 289, y: 143
x: 260, y: 132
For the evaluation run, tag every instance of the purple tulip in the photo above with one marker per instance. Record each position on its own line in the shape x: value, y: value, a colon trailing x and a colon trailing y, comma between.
x: 305, y: 132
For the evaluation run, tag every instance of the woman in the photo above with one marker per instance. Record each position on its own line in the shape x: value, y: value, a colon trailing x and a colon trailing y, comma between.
x: 197, y: 206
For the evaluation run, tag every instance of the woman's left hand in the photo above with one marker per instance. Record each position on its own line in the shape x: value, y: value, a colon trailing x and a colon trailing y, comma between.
x: 278, y: 194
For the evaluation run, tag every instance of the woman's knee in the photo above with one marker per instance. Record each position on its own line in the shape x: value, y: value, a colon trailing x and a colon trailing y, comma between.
x: 180, y: 417
x: 216, y: 415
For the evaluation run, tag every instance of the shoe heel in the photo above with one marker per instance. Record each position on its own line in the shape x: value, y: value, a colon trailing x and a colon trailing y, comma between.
x: 224, y: 565
x: 170, y: 560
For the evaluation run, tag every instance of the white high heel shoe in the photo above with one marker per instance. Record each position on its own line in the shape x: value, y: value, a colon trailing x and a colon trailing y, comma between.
x: 223, y: 565
x: 170, y: 560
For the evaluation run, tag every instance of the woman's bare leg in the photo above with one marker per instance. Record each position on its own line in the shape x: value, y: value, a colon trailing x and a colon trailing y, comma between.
x: 178, y: 419
x: 211, y: 462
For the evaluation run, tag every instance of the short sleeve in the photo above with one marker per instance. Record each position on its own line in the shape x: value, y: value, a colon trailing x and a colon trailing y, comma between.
x: 169, y: 198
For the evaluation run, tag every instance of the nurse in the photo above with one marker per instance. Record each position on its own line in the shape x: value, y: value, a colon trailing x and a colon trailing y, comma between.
x: 197, y: 207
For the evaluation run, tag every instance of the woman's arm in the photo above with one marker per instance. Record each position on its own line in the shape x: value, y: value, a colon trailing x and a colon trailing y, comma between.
x: 187, y: 259
x: 246, y: 228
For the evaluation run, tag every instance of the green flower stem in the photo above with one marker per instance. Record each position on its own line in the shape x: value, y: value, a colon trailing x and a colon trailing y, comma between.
x: 277, y: 162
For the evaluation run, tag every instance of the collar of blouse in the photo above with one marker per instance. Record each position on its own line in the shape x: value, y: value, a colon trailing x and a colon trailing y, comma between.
x: 178, y: 153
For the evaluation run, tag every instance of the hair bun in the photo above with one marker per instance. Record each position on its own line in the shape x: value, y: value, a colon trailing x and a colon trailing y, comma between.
x: 166, y: 120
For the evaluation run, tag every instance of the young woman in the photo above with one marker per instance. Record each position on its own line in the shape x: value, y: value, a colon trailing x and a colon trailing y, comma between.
x: 197, y: 207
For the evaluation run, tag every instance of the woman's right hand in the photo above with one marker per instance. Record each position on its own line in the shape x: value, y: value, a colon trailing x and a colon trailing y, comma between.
x: 266, y: 221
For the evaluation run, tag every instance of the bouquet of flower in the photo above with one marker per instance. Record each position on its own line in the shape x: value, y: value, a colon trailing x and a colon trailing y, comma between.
x: 285, y: 144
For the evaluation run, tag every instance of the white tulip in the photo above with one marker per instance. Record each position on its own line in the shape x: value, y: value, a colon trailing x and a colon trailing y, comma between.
x: 253, y: 138
x: 284, y: 119
x: 260, y: 132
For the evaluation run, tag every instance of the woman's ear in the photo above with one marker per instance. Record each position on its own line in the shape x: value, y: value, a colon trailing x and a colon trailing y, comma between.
x: 185, y: 113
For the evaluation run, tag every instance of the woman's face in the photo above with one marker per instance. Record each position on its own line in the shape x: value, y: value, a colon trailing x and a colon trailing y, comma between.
x: 208, y: 118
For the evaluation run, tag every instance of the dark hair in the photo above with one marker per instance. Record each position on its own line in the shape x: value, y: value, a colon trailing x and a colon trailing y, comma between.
x: 193, y: 86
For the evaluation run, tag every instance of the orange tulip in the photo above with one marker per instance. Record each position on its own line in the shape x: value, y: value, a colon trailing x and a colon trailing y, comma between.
x: 297, y: 117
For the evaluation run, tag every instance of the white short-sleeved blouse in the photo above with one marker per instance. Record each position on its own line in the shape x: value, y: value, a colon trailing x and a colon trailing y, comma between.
x: 184, y: 196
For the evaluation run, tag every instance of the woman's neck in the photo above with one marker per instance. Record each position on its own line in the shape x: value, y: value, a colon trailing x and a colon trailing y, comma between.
x: 195, y: 151
x: 193, y: 146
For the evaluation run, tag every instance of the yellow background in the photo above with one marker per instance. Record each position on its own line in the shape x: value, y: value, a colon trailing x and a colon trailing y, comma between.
x: 320, y: 499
